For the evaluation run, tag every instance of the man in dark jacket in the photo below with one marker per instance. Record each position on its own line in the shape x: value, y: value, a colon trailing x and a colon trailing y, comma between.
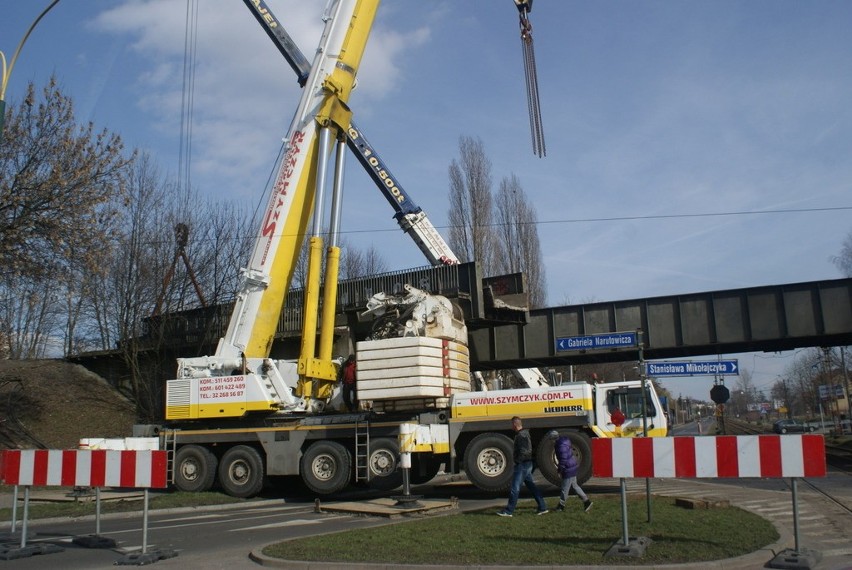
x: 523, y: 471
x: 568, y: 467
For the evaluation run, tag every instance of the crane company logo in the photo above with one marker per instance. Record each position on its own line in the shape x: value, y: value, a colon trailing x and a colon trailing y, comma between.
x: 522, y: 398
x: 288, y: 166
x: 264, y: 12
x: 563, y: 409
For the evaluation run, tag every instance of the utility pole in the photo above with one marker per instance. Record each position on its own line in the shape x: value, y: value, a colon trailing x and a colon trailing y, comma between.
x: 4, y: 79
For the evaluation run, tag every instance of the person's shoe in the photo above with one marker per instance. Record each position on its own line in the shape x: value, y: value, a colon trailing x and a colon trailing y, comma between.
x: 544, y: 512
x: 504, y: 513
x: 560, y: 508
x: 587, y: 505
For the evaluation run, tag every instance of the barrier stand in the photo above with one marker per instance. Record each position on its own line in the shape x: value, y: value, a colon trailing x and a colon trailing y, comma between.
x: 14, y: 528
x: 145, y: 557
x: 24, y: 551
x: 95, y: 540
x: 13, y: 525
x: 627, y: 547
x: 798, y: 558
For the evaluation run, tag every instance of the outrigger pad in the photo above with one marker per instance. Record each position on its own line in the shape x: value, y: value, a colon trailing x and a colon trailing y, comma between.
x: 141, y: 559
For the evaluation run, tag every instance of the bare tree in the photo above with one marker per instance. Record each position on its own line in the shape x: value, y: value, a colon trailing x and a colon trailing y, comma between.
x: 470, y: 214
x: 782, y: 390
x: 745, y: 388
x: 803, y: 376
x: 518, y: 246
x: 360, y: 263
x: 844, y: 260
x: 30, y: 314
x: 58, y: 184
x: 218, y: 241
x: 354, y: 263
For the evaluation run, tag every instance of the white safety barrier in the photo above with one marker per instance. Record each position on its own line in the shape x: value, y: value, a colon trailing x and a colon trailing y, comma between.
x: 708, y: 456
x: 734, y: 456
x: 84, y: 468
x: 136, y: 469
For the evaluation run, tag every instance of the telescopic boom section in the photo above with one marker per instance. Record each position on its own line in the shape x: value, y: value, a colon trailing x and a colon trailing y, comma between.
x: 323, y: 106
x: 410, y: 217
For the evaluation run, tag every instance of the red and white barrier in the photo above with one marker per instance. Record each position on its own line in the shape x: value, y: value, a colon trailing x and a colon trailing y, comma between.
x: 713, y: 457
x: 84, y: 468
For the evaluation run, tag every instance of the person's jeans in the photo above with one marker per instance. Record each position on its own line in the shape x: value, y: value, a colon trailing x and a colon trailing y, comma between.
x: 523, y: 473
x: 567, y: 484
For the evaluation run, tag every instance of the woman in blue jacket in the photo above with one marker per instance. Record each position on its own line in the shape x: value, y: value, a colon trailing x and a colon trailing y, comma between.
x: 568, y: 466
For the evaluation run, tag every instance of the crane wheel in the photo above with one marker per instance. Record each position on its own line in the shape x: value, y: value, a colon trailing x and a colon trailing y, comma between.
x: 326, y: 467
x: 241, y: 472
x: 194, y: 469
x: 424, y: 467
x: 488, y: 462
x: 545, y: 456
x: 383, y: 463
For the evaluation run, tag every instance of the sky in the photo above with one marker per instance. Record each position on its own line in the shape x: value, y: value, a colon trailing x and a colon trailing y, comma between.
x: 692, y: 146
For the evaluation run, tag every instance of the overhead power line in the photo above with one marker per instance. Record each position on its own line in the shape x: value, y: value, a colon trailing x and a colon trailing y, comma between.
x: 614, y: 219
x: 655, y: 217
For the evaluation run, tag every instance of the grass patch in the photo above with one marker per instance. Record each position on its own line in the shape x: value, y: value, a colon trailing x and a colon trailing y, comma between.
x: 81, y: 508
x: 478, y: 538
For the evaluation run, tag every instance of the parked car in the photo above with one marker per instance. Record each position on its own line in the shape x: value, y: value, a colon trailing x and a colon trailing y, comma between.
x: 791, y: 426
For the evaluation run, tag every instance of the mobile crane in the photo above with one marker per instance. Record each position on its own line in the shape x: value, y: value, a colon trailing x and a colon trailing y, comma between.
x: 239, y: 416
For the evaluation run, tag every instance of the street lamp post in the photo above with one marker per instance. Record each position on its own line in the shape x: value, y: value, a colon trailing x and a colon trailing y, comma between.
x: 4, y: 79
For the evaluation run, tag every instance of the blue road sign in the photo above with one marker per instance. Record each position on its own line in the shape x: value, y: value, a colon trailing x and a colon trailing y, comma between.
x: 692, y: 368
x: 596, y: 341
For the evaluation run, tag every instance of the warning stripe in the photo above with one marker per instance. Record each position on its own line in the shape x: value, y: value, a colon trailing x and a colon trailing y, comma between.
x: 84, y: 468
x: 709, y: 456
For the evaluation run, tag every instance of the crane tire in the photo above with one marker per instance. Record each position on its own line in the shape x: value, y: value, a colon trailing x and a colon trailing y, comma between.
x: 545, y: 460
x: 424, y: 467
x: 545, y: 456
x: 383, y: 464
x: 488, y: 462
x: 326, y: 467
x: 241, y: 472
x: 194, y: 469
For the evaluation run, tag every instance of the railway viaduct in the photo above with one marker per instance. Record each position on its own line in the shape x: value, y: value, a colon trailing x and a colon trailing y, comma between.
x: 505, y: 334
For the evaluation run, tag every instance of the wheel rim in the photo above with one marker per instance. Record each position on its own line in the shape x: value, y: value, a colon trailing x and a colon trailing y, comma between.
x: 323, y: 467
x: 239, y: 472
x: 190, y: 470
x: 382, y: 463
x: 492, y: 462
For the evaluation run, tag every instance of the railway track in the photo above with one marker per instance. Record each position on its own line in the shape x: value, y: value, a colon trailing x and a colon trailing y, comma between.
x: 838, y: 455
